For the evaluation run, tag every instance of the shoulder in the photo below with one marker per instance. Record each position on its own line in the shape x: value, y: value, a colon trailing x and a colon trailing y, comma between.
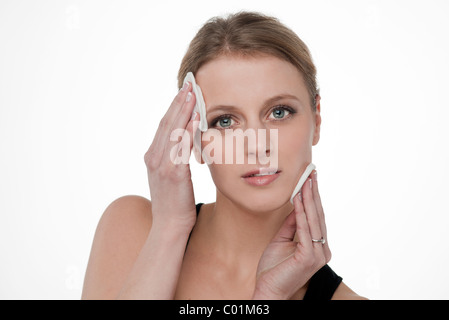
x: 343, y: 292
x: 119, y: 237
x: 127, y: 209
x: 124, y: 219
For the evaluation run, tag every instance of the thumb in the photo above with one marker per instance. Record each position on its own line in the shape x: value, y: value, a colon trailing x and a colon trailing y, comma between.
x: 287, y: 231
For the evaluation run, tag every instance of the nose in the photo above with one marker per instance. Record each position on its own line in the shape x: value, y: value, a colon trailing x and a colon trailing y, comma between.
x: 261, y: 147
x: 261, y: 143
x: 254, y: 144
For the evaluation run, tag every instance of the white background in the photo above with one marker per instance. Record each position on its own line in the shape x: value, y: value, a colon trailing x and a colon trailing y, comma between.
x: 84, y: 84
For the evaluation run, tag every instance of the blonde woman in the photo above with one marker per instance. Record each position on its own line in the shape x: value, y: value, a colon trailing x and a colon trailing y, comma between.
x: 252, y: 243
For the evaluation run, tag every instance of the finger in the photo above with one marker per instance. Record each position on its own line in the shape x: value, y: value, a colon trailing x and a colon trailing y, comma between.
x: 178, y: 102
x: 190, y: 136
x: 192, y: 127
x: 184, y: 114
x: 317, y: 199
x: 287, y: 231
x: 302, y: 227
x: 319, y: 207
x: 311, y: 212
x: 179, y: 126
x: 181, y: 152
x: 165, y: 125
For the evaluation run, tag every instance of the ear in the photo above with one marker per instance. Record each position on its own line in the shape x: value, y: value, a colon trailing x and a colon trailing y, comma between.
x: 317, y: 118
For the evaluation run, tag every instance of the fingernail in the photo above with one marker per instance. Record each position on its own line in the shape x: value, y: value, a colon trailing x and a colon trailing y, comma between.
x: 193, y: 115
x: 299, y: 196
x: 310, y: 183
x: 185, y: 86
x: 315, y: 176
x: 189, y: 97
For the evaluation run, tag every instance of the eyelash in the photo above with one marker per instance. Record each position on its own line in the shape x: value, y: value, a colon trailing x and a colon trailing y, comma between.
x: 279, y: 107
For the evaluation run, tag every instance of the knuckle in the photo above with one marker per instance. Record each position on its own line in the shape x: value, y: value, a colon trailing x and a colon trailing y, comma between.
x: 308, y: 194
x: 147, y: 155
x: 163, y: 124
x: 328, y: 255
x: 151, y: 161
x: 179, y: 99
x: 165, y: 170
x: 312, y: 219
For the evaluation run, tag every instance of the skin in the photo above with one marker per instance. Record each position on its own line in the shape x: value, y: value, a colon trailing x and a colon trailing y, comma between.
x: 233, y: 220
x: 238, y: 249
x: 246, y: 84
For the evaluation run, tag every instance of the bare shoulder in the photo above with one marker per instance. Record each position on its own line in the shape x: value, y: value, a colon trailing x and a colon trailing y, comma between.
x: 119, y: 237
x: 343, y: 292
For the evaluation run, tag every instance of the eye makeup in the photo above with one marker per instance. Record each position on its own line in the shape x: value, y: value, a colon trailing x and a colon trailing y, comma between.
x: 213, y: 123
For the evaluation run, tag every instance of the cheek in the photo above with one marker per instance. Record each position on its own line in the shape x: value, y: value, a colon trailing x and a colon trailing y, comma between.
x: 295, y: 140
x: 224, y: 177
x: 213, y: 147
x: 231, y: 147
x: 295, y: 149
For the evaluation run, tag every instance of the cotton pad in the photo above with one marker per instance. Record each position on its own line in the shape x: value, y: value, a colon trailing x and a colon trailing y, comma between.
x: 303, y: 179
x: 200, y: 106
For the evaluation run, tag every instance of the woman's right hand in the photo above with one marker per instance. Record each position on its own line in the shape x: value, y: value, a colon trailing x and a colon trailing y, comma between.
x: 171, y: 188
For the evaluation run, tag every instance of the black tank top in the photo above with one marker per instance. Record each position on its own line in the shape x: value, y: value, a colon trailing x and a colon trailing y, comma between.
x: 323, y: 283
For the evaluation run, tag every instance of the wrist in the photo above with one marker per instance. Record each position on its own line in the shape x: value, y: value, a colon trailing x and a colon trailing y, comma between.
x: 264, y: 294
x: 172, y: 226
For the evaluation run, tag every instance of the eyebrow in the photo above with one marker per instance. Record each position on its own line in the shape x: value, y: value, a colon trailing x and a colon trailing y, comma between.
x: 267, y: 102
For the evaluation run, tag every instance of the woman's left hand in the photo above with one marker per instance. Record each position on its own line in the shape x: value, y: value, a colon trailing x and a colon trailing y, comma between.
x: 286, y: 265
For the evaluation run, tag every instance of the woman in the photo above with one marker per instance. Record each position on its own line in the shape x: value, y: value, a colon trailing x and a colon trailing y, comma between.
x: 252, y: 243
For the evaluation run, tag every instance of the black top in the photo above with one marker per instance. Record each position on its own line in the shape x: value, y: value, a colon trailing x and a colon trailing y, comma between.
x: 323, y: 283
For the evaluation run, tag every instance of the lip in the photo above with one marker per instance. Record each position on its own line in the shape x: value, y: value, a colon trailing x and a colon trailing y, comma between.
x: 261, y: 180
x: 260, y: 171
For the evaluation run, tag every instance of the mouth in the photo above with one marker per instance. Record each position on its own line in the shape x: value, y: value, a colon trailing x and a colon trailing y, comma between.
x: 261, y: 172
x: 261, y: 177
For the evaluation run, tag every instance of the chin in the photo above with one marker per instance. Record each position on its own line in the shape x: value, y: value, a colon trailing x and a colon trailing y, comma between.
x: 265, y: 201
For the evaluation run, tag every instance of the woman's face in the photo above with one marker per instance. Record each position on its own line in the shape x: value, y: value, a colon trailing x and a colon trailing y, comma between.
x: 265, y: 93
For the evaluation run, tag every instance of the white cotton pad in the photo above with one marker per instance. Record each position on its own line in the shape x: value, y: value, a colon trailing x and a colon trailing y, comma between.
x: 303, y: 179
x: 200, y: 106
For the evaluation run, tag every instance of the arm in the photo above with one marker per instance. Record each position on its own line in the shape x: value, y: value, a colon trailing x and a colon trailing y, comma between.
x: 139, y: 245
x: 131, y: 258
x: 156, y: 271
x: 120, y: 235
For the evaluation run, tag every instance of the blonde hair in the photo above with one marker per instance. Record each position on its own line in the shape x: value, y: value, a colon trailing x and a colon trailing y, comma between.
x: 249, y: 34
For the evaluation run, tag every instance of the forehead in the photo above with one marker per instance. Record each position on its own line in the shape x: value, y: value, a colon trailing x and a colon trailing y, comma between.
x: 238, y: 80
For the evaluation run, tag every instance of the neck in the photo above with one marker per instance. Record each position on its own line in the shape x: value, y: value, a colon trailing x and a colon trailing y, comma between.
x: 240, y: 235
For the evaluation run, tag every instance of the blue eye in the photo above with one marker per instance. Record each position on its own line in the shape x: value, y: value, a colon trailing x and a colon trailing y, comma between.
x: 224, y: 121
x: 279, y: 112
